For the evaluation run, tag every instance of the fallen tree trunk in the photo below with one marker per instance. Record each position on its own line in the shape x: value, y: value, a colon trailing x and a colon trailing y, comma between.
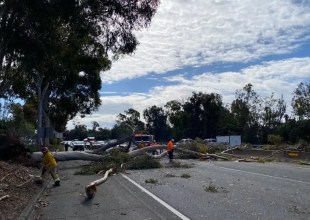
x: 68, y: 155
x: 112, y: 144
x: 91, y: 188
x: 200, y: 154
x: 80, y: 155
x: 146, y: 149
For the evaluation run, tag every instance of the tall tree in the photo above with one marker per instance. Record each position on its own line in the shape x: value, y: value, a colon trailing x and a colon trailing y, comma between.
x: 156, y: 122
x: 273, y: 111
x: 301, y: 101
x: 204, y: 114
x: 177, y: 119
x: 63, y: 46
x: 131, y: 120
x: 250, y: 105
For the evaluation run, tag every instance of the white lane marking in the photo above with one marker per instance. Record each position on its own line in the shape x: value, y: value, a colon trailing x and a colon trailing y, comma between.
x: 276, y: 177
x: 176, y: 212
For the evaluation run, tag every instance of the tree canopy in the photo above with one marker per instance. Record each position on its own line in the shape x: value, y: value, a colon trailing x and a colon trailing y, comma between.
x: 53, y: 51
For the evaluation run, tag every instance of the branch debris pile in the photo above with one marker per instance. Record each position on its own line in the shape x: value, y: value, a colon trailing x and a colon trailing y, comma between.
x: 14, y: 199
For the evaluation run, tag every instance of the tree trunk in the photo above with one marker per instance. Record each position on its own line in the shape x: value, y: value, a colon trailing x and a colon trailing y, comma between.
x: 91, y: 188
x: 68, y: 155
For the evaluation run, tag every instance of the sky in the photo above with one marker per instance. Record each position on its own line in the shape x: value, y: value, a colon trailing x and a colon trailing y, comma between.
x: 209, y: 46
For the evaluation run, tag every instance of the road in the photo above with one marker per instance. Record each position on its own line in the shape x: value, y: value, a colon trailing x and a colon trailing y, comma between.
x: 240, y: 191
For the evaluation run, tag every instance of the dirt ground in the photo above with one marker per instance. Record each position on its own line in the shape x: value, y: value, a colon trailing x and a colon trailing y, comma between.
x: 14, y: 198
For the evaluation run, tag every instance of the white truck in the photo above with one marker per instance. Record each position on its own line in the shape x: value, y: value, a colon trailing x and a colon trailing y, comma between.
x: 232, y: 140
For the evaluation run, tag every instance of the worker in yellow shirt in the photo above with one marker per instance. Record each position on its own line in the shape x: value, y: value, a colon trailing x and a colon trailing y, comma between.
x: 49, y: 165
x: 170, y: 147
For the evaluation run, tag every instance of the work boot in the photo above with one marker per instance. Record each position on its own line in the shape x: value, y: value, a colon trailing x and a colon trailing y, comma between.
x: 57, y: 183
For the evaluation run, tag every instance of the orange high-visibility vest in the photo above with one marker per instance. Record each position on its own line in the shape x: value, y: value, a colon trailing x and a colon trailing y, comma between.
x: 170, y: 146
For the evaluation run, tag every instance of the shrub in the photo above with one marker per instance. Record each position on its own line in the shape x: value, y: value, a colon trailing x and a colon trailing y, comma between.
x: 185, y: 175
x: 275, y: 139
x: 152, y: 181
x: 211, y: 188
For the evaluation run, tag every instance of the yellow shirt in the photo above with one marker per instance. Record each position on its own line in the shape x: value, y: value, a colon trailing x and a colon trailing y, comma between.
x: 49, y: 160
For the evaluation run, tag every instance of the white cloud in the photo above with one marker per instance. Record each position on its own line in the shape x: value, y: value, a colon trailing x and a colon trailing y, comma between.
x: 268, y: 78
x: 195, y: 33
x: 186, y: 33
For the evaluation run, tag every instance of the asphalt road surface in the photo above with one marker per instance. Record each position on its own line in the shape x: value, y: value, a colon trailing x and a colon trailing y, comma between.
x: 208, y: 190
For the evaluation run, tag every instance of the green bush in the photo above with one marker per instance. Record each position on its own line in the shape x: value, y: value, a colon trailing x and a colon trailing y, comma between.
x: 275, y: 139
x: 142, y: 162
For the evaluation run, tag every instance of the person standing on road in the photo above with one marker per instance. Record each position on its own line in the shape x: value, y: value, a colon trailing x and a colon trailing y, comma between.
x: 66, y: 146
x: 170, y: 148
x: 49, y: 164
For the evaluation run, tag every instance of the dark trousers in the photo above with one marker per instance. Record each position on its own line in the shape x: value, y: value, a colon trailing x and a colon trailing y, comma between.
x: 170, y: 154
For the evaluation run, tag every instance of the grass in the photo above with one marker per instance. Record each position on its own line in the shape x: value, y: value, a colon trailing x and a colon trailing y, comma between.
x: 170, y: 175
x: 211, y: 188
x: 152, y: 181
x: 185, y: 175
x: 303, y: 163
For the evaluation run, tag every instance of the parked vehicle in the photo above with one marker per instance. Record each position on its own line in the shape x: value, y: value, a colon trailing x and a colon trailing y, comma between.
x: 78, y: 145
x: 185, y: 141
x: 209, y: 141
x: 143, y: 139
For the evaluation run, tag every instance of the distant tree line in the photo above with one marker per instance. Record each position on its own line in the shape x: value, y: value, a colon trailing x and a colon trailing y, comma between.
x: 205, y: 116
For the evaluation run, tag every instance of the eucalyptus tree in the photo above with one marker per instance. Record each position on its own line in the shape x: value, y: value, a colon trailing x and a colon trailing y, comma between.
x: 9, y: 30
x: 177, y: 119
x: 247, y: 108
x: 130, y: 121
x: 63, y: 45
x: 273, y: 111
x: 156, y: 122
x: 197, y: 117
x: 301, y: 101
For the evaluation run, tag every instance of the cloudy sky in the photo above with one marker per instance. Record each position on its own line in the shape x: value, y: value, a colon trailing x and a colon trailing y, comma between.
x: 210, y: 46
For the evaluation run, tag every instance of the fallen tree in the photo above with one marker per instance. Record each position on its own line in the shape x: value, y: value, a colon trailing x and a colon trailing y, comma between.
x: 68, y: 155
x: 92, y: 155
x: 91, y: 188
x: 201, y: 155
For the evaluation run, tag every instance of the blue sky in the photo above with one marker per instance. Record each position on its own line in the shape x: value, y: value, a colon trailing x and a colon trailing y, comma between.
x: 210, y: 46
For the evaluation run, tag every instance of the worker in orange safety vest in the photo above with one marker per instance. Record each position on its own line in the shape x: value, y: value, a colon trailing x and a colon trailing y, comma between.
x: 170, y: 148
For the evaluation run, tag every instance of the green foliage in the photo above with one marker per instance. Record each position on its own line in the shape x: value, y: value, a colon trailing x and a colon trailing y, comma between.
x: 58, y: 49
x: 185, y: 175
x: 301, y: 101
x: 170, y: 175
x: 211, y: 188
x: 274, y: 147
x: 275, y: 139
x: 152, y: 181
x: 156, y: 122
x: 128, y: 123
x: 142, y: 162
x: 114, y: 159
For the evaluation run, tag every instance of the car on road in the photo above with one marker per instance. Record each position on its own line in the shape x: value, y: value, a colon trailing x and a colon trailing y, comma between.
x: 210, y: 141
x: 184, y: 141
x: 78, y: 145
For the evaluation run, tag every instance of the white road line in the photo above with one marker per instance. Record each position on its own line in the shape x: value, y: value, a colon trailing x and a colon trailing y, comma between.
x: 276, y: 177
x: 169, y: 207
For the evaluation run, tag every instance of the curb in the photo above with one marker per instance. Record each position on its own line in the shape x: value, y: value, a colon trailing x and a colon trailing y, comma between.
x: 29, y: 208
